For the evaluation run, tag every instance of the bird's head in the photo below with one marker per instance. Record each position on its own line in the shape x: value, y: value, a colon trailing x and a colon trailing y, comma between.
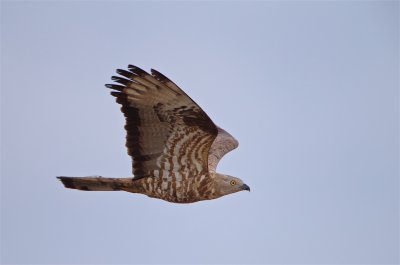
x: 226, y: 184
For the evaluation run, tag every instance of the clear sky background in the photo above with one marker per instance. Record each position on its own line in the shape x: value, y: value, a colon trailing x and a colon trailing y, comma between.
x: 309, y: 88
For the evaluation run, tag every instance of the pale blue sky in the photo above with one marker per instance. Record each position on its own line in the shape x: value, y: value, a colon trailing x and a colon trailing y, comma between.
x: 309, y: 88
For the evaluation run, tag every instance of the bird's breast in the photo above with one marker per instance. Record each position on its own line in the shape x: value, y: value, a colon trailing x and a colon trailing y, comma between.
x: 178, y: 187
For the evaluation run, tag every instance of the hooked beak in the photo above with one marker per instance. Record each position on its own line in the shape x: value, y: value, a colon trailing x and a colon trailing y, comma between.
x: 245, y: 187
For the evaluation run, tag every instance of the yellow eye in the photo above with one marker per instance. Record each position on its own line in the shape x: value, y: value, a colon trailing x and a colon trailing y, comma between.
x: 233, y: 183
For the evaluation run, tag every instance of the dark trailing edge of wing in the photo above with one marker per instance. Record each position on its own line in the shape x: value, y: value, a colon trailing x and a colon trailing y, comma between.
x: 132, y: 127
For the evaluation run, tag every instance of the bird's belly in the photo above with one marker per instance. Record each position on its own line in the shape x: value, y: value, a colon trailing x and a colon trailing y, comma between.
x: 177, y: 189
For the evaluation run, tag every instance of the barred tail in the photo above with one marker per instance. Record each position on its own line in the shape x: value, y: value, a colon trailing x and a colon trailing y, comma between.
x: 92, y: 183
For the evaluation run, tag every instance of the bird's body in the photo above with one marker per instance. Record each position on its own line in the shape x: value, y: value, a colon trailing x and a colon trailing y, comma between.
x: 174, y: 145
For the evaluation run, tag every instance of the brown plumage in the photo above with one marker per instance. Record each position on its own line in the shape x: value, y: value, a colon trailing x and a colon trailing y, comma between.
x: 174, y: 145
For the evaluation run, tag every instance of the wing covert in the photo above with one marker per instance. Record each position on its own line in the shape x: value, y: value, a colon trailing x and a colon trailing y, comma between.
x: 166, y: 129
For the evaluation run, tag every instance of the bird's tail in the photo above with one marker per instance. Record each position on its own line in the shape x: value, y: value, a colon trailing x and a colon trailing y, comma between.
x: 92, y: 183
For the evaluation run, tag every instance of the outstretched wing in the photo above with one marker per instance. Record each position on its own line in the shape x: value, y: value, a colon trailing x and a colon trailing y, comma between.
x: 166, y: 129
x: 223, y: 143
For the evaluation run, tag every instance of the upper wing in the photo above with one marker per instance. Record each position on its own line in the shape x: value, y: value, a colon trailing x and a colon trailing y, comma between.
x: 223, y: 144
x: 166, y: 129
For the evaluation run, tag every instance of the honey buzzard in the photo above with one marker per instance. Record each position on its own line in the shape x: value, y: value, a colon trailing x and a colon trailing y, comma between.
x: 174, y: 145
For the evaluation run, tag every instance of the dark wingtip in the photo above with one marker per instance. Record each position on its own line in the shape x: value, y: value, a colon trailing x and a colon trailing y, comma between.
x: 136, y: 70
x: 68, y: 182
x: 159, y: 76
x: 121, y: 80
x: 124, y: 73
x: 115, y: 87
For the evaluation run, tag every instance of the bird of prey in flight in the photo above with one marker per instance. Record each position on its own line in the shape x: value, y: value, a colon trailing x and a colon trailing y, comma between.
x: 174, y: 145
